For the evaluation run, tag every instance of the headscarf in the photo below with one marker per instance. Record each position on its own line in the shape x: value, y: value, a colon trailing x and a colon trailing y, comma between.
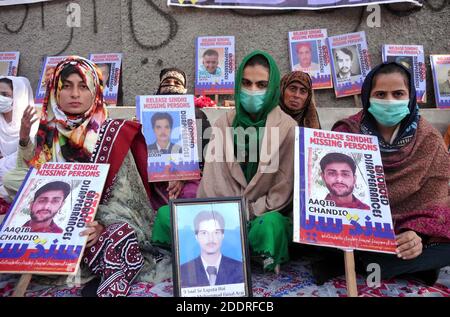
x: 22, y: 97
x: 243, y: 119
x: 70, y: 138
x: 408, y: 125
x: 307, y: 116
x: 174, y: 73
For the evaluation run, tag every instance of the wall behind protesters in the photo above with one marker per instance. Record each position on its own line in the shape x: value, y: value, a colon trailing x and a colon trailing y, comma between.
x: 165, y: 36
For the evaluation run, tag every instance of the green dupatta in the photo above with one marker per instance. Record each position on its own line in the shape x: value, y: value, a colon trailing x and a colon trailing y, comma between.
x: 243, y: 119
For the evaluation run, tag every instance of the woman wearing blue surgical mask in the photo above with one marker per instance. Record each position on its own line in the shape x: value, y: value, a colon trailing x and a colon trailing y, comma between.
x: 15, y: 95
x: 256, y: 164
x: 417, y: 171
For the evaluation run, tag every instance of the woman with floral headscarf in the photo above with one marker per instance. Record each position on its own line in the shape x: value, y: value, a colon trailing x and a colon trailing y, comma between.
x: 74, y: 128
x: 417, y: 170
x: 297, y: 99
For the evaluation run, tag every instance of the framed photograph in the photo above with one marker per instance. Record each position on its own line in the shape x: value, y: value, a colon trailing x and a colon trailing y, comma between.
x: 209, y: 247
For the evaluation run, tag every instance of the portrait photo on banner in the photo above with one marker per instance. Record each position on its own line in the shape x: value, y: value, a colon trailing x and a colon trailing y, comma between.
x: 336, y: 176
x: 163, y: 135
x: 305, y: 56
x: 44, y: 201
x: 4, y: 67
x: 211, y: 64
x: 346, y: 61
x: 443, y: 75
x: 210, y: 250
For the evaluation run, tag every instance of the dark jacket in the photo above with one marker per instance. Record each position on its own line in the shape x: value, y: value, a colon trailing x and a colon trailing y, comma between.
x: 192, y: 273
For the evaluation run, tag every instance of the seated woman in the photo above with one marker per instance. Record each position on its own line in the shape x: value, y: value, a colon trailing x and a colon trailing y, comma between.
x: 260, y: 168
x: 74, y: 128
x: 297, y: 99
x: 15, y: 95
x: 417, y: 170
x: 173, y: 82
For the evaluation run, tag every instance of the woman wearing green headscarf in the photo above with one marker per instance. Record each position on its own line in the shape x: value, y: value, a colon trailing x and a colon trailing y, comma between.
x: 251, y: 154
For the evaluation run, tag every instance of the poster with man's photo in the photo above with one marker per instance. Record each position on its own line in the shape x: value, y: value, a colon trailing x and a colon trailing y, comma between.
x: 41, y: 232
x: 412, y: 57
x: 350, y: 62
x: 110, y: 65
x: 210, y: 249
x: 169, y: 127
x: 309, y: 53
x: 440, y: 67
x: 9, y: 63
x: 214, y: 65
x: 47, y: 70
x: 340, y: 194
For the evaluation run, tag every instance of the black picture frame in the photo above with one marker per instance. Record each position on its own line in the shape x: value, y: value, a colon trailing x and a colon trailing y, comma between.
x: 190, y: 278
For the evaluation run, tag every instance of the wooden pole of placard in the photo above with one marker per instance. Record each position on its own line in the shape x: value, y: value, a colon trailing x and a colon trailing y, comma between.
x: 22, y: 285
x: 216, y: 99
x: 350, y: 273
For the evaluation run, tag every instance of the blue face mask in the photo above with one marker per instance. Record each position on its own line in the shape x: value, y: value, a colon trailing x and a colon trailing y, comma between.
x: 252, y: 101
x: 389, y: 112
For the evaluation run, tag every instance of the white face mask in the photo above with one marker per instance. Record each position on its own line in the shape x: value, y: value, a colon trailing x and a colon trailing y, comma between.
x: 6, y: 104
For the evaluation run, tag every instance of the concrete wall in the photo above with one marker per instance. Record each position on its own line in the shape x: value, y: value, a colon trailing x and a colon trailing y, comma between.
x: 142, y: 65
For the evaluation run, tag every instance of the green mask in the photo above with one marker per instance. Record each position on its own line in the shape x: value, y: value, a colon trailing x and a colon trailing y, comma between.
x: 389, y: 112
x: 252, y: 100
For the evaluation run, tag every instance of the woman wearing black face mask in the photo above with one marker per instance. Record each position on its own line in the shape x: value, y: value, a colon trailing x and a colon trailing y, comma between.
x: 417, y: 169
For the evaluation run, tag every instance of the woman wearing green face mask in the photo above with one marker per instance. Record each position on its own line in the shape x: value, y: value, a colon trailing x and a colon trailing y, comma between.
x: 258, y: 167
x: 417, y: 170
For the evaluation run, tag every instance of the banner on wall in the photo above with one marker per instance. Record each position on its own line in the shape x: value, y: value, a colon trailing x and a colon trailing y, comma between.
x: 280, y: 4
x: 215, y: 64
x: 47, y: 70
x: 412, y: 57
x: 350, y: 62
x: 9, y: 62
x: 440, y: 67
x: 309, y: 53
x: 110, y: 65
x: 16, y: 2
